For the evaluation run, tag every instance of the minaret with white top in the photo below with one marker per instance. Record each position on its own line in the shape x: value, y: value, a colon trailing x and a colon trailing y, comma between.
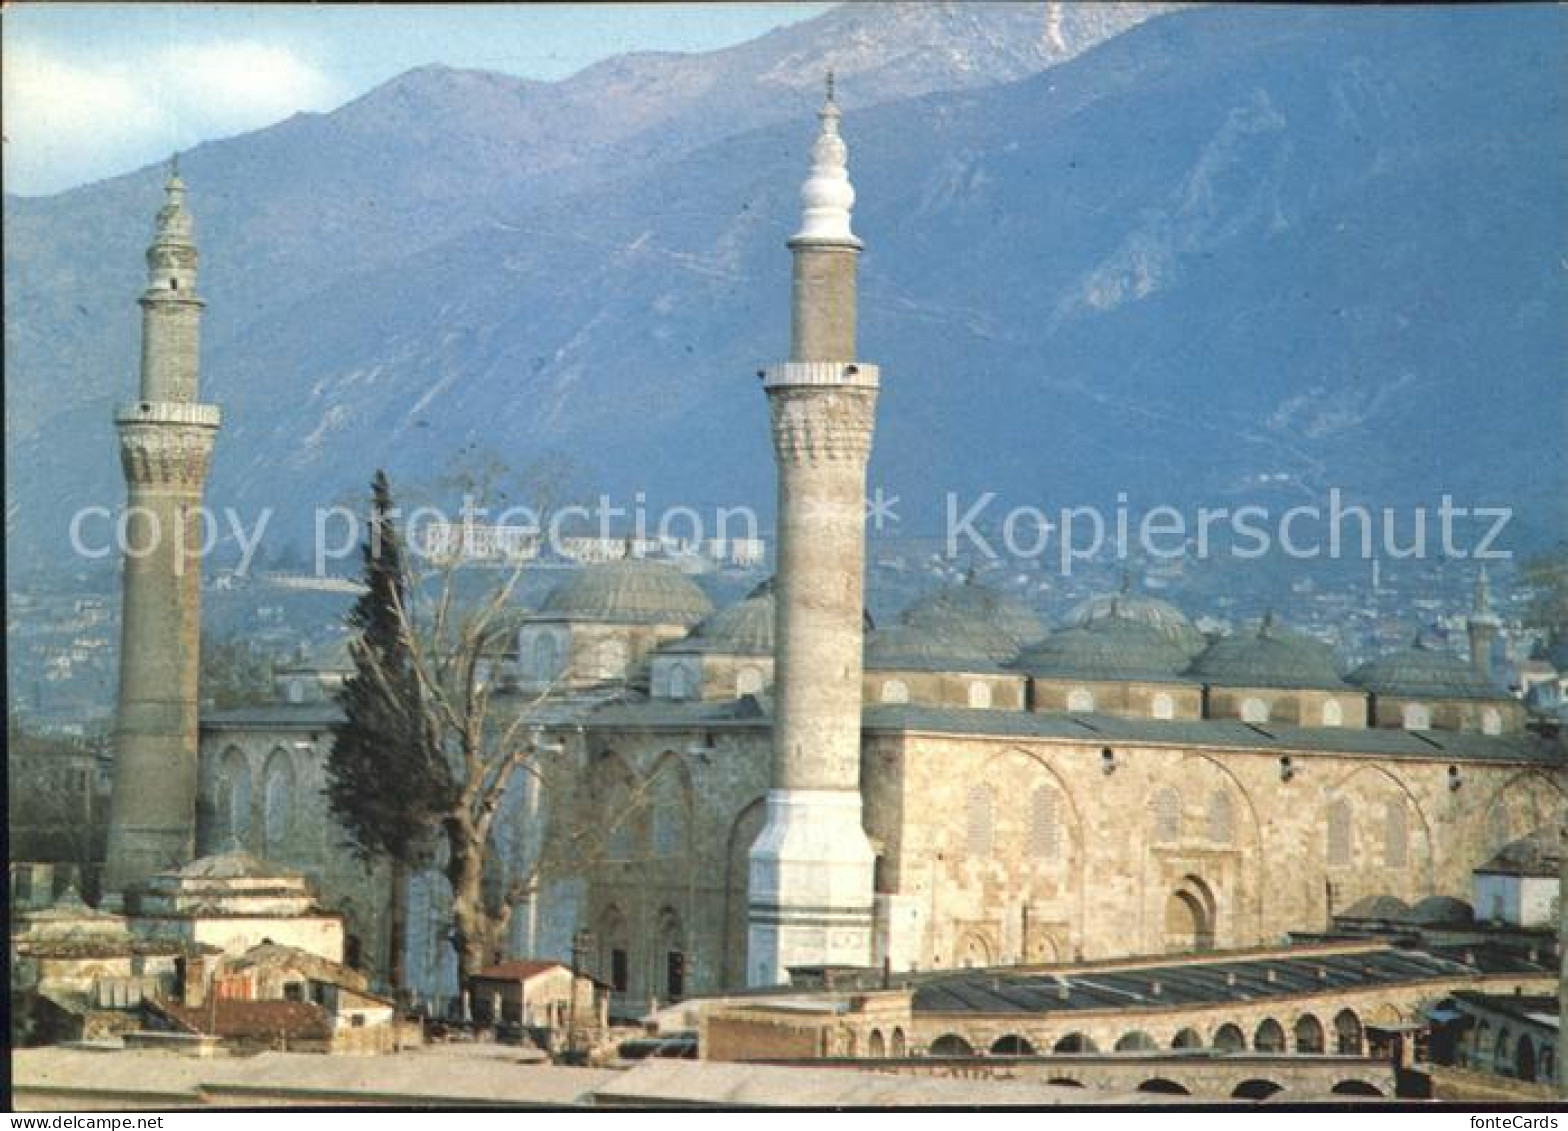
x: 810, y: 894
x: 166, y: 440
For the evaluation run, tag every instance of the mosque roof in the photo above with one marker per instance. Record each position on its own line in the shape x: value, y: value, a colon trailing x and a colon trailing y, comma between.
x: 742, y: 629
x: 1217, y: 979
x: 1538, y: 854
x: 234, y: 865
x: 1112, y: 647
x: 998, y: 620
x: 1273, y: 656
x: 329, y: 656
x: 954, y: 645
x: 1423, y: 672
x: 1160, y: 615
x: 628, y: 591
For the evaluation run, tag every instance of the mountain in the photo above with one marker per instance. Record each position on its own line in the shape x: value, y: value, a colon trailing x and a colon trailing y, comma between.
x: 1218, y: 256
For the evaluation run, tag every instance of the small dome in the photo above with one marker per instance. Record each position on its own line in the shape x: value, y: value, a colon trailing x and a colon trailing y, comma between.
x: 1423, y: 672
x: 1160, y: 615
x: 1386, y: 907
x: 1441, y: 910
x: 1109, y: 648
x: 629, y: 591
x: 981, y: 609
x: 1270, y: 657
x: 742, y: 629
x: 906, y: 647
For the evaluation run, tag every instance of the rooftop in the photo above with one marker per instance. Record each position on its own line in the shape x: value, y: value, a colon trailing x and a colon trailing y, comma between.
x: 1272, y: 656
x: 1423, y: 672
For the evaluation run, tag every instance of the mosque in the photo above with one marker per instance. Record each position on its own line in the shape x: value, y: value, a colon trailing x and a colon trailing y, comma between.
x: 780, y: 785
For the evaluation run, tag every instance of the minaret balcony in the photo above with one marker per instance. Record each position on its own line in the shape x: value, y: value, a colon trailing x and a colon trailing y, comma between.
x: 169, y: 412
x: 830, y: 374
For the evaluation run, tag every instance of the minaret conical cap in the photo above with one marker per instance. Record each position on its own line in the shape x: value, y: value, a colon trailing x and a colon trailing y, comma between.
x: 827, y: 197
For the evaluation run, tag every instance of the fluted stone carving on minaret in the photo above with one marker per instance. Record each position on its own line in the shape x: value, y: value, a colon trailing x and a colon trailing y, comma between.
x: 810, y: 894
x: 166, y: 440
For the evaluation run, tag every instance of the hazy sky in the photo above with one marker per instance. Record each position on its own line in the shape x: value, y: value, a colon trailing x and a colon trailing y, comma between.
x: 93, y: 90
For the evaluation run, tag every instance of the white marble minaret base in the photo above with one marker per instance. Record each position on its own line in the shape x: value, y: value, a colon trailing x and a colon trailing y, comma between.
x: 810, y: 885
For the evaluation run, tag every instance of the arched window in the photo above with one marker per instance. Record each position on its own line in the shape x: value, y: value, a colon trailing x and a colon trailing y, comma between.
x: 1135, y: 1041
x: 1162, y: 706
x: 1080, y: 699
x: 748, y: 681
x: 877, y: 1046
x: 979, y: 824
x: 672, y: 948
x: 1044, y: 828
x: 1187, y: 1039
x: 895, y: 691
x: 668, y: 829
x: 951, y: 1044
x: 1254, y: 710
x: 1075, y: 1042
x: 1269, y: 1037
x: 1491, y: 721
x: 1221, y: 819
x: 1417, y: 716
x: 1309, y: 1034
x: 979, y: 694
x: 1333, y: 714
x: 1167, y: 815
x: 1011, y: 1045
x: 1396, y: 834
x: 233, y: 800
x: 1337, y: 832
x: 547, y: 657
x: 1347, y: 1033
x: 898, y: 1045
x: 277, y: 803
x: 1229, y: 1038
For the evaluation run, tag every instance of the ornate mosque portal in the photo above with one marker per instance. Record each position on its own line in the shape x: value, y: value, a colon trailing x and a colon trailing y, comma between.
x: 1190, y: 913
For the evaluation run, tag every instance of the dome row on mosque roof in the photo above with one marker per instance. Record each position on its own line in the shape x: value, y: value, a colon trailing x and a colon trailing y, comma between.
x: 974, y: 627
x: 629, y: 591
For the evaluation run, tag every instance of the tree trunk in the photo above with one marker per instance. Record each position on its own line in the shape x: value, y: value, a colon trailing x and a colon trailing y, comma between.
x: 472, y: 927
x: 397, y: 930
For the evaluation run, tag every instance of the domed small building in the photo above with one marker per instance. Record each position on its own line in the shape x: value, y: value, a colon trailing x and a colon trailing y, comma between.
x: 600, y: 623
x: 727, y: 656
x: 1276, y: 675
x: 1426, y: 688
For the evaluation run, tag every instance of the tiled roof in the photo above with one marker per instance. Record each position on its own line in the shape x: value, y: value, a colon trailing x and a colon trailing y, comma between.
x: 518, y: 969
x: 1270, y: 657
x: 1422, y: 672
x: 250, y: 1020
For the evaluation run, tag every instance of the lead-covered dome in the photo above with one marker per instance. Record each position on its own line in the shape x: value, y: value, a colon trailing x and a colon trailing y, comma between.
x: 1162, y: 616
x: 998, y: 621
x: 1272, y: 656
x: 629, y: 591
x: 1110, y: 648
x: 742, y: 629
x: 932, y: 648
x: 1422, y: 672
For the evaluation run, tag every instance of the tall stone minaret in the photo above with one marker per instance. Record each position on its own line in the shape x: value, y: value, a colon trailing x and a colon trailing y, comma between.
x: 810, y: 892
x: 165, y: 445
x: 1482, y: 627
